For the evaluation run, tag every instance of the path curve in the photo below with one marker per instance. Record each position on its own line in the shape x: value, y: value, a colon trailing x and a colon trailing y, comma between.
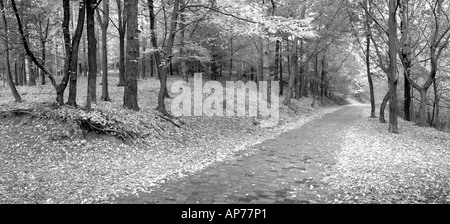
x: 285, y: 170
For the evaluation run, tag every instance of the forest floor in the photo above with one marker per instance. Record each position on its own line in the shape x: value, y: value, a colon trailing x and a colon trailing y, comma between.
x: 342, y: 157
x: 315, y: 155
x: 48, y: 159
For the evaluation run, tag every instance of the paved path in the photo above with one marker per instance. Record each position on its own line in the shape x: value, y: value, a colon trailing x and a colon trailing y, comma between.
x: 286, y: 170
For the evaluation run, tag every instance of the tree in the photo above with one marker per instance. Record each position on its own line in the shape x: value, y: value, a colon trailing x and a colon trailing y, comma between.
x: 121, y: 28
x: 163, y: 69
x: 60, y: 88
x: 437, y: 42
x: 130, y: 100
x: 104, y: 25
x: 387, y: 64
x: 9, y: 77
x: 367, y: 56
x: 73, y: 57
x: 92, y: 53
x: 392, y: 74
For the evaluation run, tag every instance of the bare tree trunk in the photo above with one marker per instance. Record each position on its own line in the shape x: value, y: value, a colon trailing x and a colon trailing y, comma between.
x: 85, y: 57
x: 32, y: 81
x: 436, y: 119
x: 104, y: 23
x: 44, y: 36
x: 314, y: 82
x: 323, y: 78
x: 74, y: 57
x: 392, y: 78
x: 92, y: 54
x: 231, y: 58
x: 16, y: 74
x: 122, y: 30
x: 281, y: 71
x: 383, y: 107
x: 152, y: 65
x: 162, y: 70
x: 369, y: 74
x: 405, y: 56
x: 182, y: 43
x: 277, y: 60
x: 130, y: 99
x: 9, y: 77
x: 292, y: 72
x: 422, y: 108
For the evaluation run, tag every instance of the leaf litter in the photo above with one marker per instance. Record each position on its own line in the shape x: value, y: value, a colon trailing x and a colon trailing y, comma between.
x: 374, y: 166
x: 50, y: 160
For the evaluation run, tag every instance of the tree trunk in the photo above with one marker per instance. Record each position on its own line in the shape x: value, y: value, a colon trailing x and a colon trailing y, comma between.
x: 405, y: 56
x: 152, y: 64
x: 292, y: 72
x: 85, y: 57
x: 436, y: 120
x: 130, y: 99
x: 43, y: 34
x: 323, y: 78
x: 92, y: 54
x: 392, y: 78
x: 231, y: 59
x: 383, y: 107
x: 122, y: 30
x: 163, y: 90
x: 369, y: 74
x: 16, y: 74
x: 104, y: 26
x: 407, y: 98
x: 281, y: 70
x: 277, y: 60
x: 32, y: 81
x: 74, y: 57
x: 24, y: 71
x: 423, y: 106
x: 9, y: 77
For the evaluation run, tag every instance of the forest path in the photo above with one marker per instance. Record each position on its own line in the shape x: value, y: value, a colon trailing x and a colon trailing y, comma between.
x: 287, y: 169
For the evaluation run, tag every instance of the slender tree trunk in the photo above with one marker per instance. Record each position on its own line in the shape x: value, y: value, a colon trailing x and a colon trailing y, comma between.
x: 9, y: 77
x: 292, y: 72
x: 405, y: 56
x: 231, y: 58
x: 423, y: 106
x: 314, y: 82
x: 16, y: 74
x: 369, y: 74
x: 92, y: 54
x: 152, y: 65
x: 74, y: 57
x: 277, y: 60
x: 436, y: 119
x: 85, y: 57
x: 32, y: 81
x: 323, y: 78
x: 104, y: 26
x: 122, y: 30
x: 281, y: 70
x: 383, y: 107
x: 43, y: 50
x: 164, y: 71
x: 21, y: 72
x: 392, y: 78
x: 302, y: 75
x: 182, y: 43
